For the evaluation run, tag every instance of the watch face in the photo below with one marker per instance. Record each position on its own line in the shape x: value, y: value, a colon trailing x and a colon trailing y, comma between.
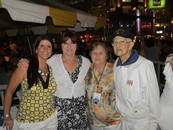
x: 7, y: 115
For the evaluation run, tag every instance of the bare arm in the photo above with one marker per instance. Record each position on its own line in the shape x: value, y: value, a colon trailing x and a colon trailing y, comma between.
x: 17, y: 77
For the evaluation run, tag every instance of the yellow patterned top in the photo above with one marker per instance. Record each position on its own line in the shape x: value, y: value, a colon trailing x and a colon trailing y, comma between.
x: 37, y: 104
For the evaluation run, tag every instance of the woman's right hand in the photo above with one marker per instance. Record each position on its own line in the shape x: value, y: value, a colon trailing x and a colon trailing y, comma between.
x: 23, y: 63
x: 8, y: 123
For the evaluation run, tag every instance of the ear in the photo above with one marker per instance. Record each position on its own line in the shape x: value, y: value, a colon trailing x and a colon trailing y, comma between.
x: 131, y: 45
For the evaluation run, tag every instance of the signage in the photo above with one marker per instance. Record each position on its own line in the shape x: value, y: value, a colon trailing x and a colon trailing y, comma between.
x: 156, y: 4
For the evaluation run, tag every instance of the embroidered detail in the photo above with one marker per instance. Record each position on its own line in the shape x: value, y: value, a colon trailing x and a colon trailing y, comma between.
x: 130, y: 82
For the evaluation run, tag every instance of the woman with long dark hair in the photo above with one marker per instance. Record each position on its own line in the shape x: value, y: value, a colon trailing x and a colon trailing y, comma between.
x: 36, y: 108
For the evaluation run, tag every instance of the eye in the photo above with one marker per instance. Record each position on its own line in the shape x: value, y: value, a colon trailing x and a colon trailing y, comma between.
x: 49, y: 46
x: 94, y: 53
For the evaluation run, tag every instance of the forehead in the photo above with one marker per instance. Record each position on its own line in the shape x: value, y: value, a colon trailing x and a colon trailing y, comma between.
x: 118, y: 38
x: 99, y: 47
x: 45, y: 42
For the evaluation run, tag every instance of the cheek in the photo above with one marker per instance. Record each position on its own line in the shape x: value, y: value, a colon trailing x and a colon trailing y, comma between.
x: 104, y: 57
x: 115, y: 49
x: 92, y: 57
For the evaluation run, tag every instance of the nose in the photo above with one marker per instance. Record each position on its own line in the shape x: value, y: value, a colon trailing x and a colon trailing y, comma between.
x: 68, y: 44
x: 45, y: 48
x: 97, y: 55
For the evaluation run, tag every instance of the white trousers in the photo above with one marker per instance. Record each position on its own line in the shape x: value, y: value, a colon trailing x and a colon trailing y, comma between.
x: 165, y: 121
x: 111, y: 127
x: 50, y: 124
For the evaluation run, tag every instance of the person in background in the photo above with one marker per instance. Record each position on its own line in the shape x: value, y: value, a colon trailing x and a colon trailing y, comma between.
x: 137, y: 90
x: 36, y: 108
x: 6, y: 73
x: 151, y: 49
x: 166, y: 102
x: 101, y: 90
x: 69, y: 70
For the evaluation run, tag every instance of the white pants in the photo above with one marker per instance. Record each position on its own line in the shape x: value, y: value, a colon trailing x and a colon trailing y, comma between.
x: 111, y: 127
x: 50, y: 124
x: 165, y: 121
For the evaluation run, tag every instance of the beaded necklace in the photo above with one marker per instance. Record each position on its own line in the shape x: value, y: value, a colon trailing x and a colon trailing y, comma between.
x: 42, y: 73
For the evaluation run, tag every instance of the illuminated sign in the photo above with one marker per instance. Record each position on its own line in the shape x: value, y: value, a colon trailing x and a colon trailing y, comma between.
x: 156, y: 4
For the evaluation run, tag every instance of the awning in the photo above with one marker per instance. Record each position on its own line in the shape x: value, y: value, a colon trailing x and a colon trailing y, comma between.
x: 30, y: 12
x: 23, y: 11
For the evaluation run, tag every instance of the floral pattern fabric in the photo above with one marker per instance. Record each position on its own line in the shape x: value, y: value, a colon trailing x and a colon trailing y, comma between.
x: 72, y: 112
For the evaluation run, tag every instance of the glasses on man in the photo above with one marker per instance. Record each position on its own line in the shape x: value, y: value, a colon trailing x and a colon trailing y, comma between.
x: 120, y: 42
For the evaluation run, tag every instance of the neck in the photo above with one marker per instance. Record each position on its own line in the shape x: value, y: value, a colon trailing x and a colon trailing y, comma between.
x: 125, y: 58
x: 99, y: 67
x: 68, y: 59
x: 42, y: 64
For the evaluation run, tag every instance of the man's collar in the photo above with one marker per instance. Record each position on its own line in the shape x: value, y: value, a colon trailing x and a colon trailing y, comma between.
x: 132, y: 59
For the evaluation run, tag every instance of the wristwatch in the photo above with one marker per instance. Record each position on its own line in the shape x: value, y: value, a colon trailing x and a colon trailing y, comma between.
x: 7, y: 115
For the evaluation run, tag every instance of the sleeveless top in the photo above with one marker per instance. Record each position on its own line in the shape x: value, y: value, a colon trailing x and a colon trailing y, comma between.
x: 37, y: 104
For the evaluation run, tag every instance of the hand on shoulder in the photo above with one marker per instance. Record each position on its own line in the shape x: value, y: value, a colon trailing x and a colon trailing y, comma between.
x: 23, y: 63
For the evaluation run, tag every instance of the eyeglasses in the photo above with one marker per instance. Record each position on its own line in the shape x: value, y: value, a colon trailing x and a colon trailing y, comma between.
x: 120, y: 42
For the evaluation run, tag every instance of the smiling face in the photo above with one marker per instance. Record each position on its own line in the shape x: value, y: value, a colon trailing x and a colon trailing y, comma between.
x: 98, y: 55
x: 122, y: 47
x: 44, y: 49
x: 69, y: 48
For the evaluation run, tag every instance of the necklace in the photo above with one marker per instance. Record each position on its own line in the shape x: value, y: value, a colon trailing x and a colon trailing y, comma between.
x: 43, y: 74
x: 98, y: 80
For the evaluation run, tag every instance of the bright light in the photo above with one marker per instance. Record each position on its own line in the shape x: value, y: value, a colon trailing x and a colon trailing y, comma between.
x: 159, y: 32
x: 157, y: 25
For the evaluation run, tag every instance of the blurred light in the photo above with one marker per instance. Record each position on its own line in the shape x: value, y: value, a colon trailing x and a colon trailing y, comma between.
x: 134, y: 9
x: 83, y: 40
x: 172, y: 21
x: 159, y: 32
x: 112, y: 9
x: 138, y: 13
x: 118, y: 3
x: 157, y: 25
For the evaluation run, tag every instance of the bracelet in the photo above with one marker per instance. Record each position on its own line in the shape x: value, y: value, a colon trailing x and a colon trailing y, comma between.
x: 6, y: 116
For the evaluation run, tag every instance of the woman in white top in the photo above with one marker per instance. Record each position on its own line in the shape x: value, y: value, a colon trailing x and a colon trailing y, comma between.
x: 69, y: 71
x: 166, y: 101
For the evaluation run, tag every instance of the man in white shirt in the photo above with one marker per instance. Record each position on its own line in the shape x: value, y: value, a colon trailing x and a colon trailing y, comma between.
x: 137, y: 90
